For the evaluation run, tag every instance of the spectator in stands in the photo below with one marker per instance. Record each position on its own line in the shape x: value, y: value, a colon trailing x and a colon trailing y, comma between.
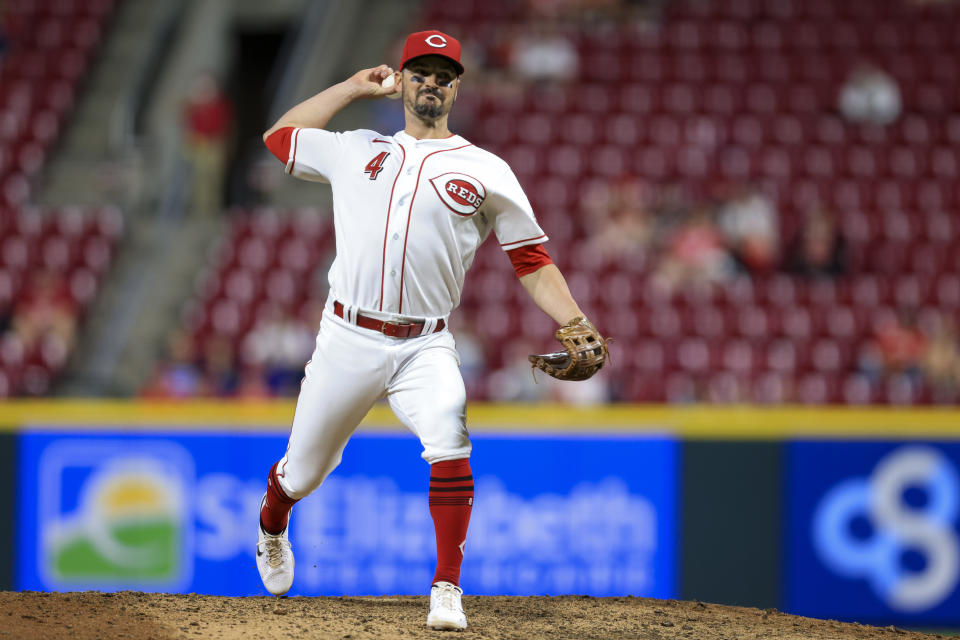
x: 750, y: 223
x: 280, y: 344
x: 207, y: 118
x: 544, y: 54
x: 178, y: 376
x: 695, y: 252
x: 221, y: 378
x: 46, y: 313
x: 870, y: 95
x: 620, y: 215
x: 898, y: 347
x: 941, y: 362
x: 819, y: 250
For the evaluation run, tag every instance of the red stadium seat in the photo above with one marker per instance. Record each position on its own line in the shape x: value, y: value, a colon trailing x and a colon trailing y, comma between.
x: 536, y: 129
x: 947, y: 291
x: 857, y: 390
x: 741, y: 356
x: 752, y: 322
x: 771, y: 389
x: 840, y: 323
x: 816, y: 389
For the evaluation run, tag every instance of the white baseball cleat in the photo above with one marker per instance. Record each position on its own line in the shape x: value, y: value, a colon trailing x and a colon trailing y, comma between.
x: 446, y: 611
x: 275, y: 561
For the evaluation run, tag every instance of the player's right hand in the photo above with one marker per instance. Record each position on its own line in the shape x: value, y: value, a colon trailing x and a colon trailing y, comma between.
x: 366, y: 82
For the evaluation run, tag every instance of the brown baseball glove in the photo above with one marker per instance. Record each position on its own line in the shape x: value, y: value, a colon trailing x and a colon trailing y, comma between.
x: 586, y: 351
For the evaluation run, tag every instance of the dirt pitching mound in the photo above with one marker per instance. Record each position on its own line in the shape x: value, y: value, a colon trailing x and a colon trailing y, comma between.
x: 83, y: 615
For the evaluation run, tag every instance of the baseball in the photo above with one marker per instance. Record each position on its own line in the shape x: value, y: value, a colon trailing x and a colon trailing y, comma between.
x: 387, y: 83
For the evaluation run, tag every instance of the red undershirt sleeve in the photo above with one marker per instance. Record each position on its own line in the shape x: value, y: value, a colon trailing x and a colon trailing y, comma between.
x: 528, y: 258
x: 279, y: 143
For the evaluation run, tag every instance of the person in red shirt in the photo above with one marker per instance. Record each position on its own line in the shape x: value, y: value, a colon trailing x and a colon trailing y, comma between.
x: 897, y: 348
x: 902, y: 344
x: 207, y: 117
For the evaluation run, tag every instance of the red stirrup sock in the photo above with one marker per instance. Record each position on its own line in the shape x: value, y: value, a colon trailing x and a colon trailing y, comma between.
x: 451, y: 500
x: 276, y: 508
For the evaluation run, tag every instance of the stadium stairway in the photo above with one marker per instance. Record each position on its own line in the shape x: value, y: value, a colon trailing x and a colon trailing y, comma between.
x: 89, y: 166
x: 164, y: 247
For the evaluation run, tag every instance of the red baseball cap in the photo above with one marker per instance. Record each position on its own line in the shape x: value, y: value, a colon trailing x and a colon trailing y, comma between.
x: 432, y: 43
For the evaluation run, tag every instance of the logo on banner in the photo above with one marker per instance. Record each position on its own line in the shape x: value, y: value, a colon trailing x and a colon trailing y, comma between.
x: 114, y: 516
x: 461, y: 193
x: 895, y: 529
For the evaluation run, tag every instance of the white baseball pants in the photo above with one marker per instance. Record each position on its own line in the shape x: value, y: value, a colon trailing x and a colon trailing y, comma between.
x: 350, y: 370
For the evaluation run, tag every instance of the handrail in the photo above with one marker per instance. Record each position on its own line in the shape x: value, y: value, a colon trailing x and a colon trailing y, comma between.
x: 293, y: 60
x: 123, y: 123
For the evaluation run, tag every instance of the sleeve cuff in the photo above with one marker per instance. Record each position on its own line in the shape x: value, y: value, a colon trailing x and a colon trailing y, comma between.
x: 280, y: 142
x: 529, y: 258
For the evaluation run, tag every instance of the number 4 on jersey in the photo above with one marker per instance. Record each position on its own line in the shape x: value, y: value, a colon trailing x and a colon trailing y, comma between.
x: 375, y: 166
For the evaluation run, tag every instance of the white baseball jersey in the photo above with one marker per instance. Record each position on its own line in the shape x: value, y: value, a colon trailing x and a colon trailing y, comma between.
x: 410, y: 214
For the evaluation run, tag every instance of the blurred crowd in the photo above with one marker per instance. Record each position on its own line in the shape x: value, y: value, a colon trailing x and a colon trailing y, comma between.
x: 907, y: 351
x: 267, y: 362
x: 686, y: 241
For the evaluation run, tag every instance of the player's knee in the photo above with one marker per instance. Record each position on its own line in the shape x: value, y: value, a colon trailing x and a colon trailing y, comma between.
x: 445, y: 418
x: 445, y: 438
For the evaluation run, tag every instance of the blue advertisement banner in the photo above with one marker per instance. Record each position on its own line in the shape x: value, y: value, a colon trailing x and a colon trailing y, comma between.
x: 873, y: 531
x: 177, y: 512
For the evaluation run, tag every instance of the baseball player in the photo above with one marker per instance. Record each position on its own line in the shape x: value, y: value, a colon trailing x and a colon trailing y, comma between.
x: 410, y: 211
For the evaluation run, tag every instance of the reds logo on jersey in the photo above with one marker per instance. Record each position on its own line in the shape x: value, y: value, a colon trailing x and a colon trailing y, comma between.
x: 461, y: 193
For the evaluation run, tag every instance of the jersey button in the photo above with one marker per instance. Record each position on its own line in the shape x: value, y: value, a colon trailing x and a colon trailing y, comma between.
x: 393, y: 272
x: 396, y: 236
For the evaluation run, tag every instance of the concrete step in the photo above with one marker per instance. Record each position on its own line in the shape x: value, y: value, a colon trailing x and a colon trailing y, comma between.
x: 84, y: 144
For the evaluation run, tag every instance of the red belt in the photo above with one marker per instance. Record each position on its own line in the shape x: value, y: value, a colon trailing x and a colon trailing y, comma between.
x: 387, y: 328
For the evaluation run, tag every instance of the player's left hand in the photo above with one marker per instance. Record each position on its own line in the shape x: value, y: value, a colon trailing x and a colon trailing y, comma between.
x: 586, y: 352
